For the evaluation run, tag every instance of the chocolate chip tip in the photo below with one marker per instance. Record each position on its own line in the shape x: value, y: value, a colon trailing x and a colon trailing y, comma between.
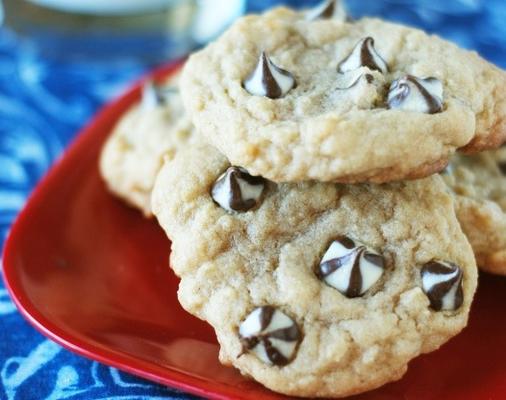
x: 236, y: 190
x: 364, y: 54
x: 442, y: 284
x: 269, y: 80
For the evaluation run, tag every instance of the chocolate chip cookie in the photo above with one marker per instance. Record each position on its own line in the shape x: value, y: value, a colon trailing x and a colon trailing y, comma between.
x: 479, y: 185
x: 150, y: 131
x: 315, y: 289
x: 294, y: 98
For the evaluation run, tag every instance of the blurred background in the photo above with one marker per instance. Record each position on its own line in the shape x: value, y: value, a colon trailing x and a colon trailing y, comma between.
x: 60, y: 60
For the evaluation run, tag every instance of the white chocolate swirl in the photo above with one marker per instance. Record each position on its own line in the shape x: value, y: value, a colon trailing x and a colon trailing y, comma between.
x: 269, y: 80
x: 351, y: 79
x: 410, y: 93
x: 236, y: 190
x: 363, y: 54
x: 154, y: 95
x: 350, y: 267
x: 442, y: 283
x: 328, y: 9
x: 271, y: 335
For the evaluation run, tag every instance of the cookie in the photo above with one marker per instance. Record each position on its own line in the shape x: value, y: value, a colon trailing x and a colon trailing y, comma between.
x: 150, y: 131
x: 479, y: 185
x: 315, y: 289
x: 293, y: 98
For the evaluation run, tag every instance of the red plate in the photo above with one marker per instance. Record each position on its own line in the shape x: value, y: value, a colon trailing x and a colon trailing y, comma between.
x: 92, y: 275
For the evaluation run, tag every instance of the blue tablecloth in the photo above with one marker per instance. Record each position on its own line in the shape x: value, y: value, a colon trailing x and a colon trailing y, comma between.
x: 43, y: 104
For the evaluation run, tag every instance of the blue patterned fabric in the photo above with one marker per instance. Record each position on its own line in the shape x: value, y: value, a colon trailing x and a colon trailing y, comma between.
x: 43, y: 104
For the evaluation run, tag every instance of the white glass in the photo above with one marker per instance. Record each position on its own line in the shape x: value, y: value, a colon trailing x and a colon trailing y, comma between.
x: 103, y: 30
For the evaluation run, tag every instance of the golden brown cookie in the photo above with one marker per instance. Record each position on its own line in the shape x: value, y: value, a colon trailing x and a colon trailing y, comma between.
x: 148, y: 133
x: 293, y: 98
x: 479, y: 185
x: 315, y: 289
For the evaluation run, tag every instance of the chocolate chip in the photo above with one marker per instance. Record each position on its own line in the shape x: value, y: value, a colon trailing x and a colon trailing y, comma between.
x: 350, y: 267
x: 328, y: 9
x: 363, y: 55
x: 351, y: 79
x: 154, y: 95
x: 416, y: 94
x: 502, y: 167
x: 236, y: 190
x: 269, y: 80
x: 442, y: 283
x: 271, y: 335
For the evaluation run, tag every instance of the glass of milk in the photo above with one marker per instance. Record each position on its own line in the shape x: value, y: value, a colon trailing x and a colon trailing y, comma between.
x: 120, y: 30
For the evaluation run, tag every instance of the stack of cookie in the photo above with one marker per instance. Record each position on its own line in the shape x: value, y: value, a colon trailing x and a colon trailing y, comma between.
x: 303, y: 186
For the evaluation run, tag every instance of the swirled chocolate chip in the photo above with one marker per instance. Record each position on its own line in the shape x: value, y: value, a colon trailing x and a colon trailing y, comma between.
x: 269, y: 80
x: 502, y: 166
x: 442, y: 283
x: 154, y: 95
x: 351, y: 79
x: 501, y: 162
x: 350, y: 267
x: 416, y: 94
x: 328, y: 9
x: 271, y: 335
x: 363, y: 55
x: 236, y: 190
